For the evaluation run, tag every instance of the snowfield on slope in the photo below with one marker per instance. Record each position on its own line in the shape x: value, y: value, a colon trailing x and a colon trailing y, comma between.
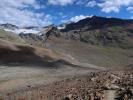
x: 25, y: 31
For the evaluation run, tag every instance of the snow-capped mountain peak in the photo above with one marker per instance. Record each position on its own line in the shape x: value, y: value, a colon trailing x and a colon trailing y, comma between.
x: 18, y: 30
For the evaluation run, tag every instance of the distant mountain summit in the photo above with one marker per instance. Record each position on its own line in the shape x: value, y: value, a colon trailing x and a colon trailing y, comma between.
x: 42, y: 36
x: 15, y: 29
x: 9, y: 26
x: 96, y: 22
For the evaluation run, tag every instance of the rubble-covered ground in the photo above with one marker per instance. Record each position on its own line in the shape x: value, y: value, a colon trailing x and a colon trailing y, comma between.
x: 105, y: 85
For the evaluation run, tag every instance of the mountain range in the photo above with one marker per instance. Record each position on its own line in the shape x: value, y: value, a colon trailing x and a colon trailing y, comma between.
x: 96, y: 30
x: 101, y: 41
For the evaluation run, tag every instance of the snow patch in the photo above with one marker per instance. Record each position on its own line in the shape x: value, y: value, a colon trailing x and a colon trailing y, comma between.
x: 24, y: 31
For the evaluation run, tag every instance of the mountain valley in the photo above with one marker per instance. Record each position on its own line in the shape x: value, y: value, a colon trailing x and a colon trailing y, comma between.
x: 91, y: 58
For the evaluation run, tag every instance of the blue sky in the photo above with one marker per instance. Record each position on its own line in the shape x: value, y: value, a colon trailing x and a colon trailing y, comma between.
x: 46, y: 12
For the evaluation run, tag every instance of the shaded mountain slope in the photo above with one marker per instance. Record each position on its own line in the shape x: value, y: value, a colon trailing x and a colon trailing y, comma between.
x: 23, y: 54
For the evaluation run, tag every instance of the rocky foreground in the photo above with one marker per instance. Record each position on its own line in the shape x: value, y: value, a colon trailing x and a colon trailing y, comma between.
x: 105, y: 85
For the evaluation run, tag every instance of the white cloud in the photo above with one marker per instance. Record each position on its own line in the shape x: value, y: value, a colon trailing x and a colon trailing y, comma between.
x: 91, y: 4
x: 62, y: 15
x: 130, y: 9
x: 60, y: 2
x: 132, y: 17
x: 81, y: 2
x: 114, y: 5
x: 16, y: 12
x: 77, y: 18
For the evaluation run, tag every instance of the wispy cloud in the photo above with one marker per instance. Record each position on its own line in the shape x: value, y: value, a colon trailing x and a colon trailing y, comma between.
x: 130, y: 9
x: 31, y: 12
x: 60, y: 2
x: 132, y: 17
x: 80, y: 2
x: 114, y: 5
x: 76, y: 18
x: 92, y: 3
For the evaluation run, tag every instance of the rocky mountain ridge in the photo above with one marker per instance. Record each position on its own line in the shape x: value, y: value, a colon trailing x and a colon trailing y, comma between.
x: 96, y: 30
x: 96, y: 22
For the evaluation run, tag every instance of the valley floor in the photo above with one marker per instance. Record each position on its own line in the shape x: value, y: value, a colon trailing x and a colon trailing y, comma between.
x: 94, y: 85
x: 21, y: 77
